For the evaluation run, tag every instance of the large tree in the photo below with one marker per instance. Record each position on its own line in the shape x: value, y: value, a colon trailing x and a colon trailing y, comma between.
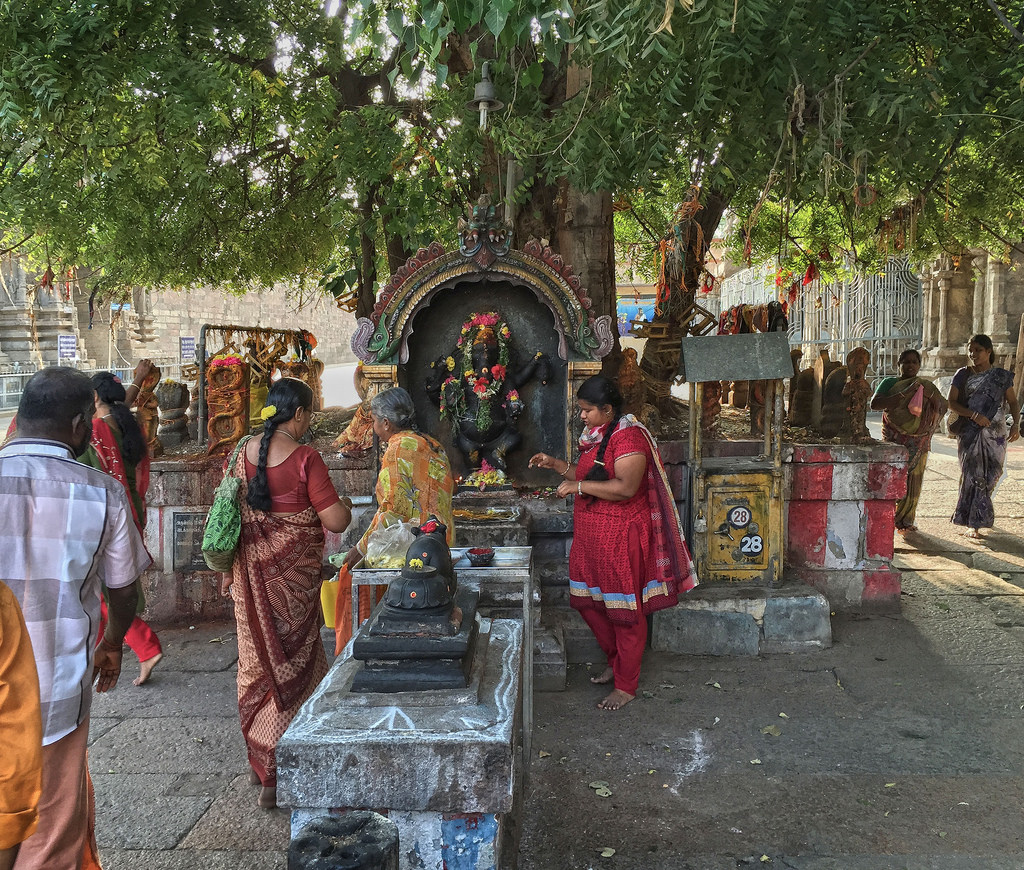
x: 181, y: 142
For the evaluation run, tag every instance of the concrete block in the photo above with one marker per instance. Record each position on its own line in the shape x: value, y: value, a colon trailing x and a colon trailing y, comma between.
x: 796, y: 622
x: 705, y: 632
x: 550, y: 547
x: 553, y: 519
x: 673, y: 452
x: 806, y: 523
x: 844, y: 588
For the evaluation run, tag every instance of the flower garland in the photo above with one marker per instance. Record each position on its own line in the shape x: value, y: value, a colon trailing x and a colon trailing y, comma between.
x: 486, y: 386
x: 226, y: 360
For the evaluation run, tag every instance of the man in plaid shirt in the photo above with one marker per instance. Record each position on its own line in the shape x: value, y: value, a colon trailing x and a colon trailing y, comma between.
x: 65, y: 529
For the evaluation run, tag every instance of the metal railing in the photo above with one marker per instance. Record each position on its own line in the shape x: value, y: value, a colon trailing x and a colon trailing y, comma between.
x: 13, y: 381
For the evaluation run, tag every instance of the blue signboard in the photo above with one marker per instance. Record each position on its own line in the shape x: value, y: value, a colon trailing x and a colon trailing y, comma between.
x: 629, y: 310
x: 67, y: 346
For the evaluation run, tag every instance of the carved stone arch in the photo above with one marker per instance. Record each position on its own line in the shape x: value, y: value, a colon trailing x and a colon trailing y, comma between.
x: 382, y: 339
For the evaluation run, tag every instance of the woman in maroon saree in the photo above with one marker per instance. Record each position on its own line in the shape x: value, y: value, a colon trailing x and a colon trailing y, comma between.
x: 275, y: 579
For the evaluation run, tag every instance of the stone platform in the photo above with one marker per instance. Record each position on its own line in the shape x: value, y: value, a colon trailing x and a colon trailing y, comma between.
x: 448, y: 775
x: 744, y: 620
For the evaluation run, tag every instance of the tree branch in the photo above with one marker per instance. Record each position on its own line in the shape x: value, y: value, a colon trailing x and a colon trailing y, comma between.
x: 1006, y: 21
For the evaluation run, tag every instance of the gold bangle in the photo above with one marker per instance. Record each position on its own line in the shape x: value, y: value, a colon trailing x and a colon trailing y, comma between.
x: 568, y: 465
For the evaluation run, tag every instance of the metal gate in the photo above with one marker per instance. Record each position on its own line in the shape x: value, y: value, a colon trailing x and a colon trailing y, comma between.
x: 881, y: 312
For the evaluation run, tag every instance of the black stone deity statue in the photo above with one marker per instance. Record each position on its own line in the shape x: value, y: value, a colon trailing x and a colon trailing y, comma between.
x: 477, y: 389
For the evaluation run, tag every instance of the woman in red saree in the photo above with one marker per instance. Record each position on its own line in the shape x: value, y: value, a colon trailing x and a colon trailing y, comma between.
x: 628, y: 556
x: 276, y: 576
x: 119, y: 449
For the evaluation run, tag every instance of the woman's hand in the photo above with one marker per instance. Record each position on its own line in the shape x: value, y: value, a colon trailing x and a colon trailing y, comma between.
x: 567, y: 488
x: 981, y: 420
x: 542, y: 460
x: 352, y: 558
x: 225, y: 585
x: 1014, y: 432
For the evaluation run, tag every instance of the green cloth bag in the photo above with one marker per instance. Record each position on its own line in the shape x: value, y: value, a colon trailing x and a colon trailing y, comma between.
x: 224, y: 521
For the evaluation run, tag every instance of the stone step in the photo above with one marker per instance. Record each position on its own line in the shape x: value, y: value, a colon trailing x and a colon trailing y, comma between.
x: 578, y: 639
x: 744, y: 619
x: 551, y: 572
x: 549, y: 664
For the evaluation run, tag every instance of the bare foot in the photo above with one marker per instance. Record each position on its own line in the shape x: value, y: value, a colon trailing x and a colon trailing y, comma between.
x: 146, y: 669
x: 604, y: 677
x: 616, y: 700
x: 268, y: 797
x: 975, y: 534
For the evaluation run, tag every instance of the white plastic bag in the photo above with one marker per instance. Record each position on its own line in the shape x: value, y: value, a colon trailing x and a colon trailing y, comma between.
x: 389, y: 542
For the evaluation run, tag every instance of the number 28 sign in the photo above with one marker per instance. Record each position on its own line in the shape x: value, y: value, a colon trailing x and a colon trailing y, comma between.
x: 751, y: 544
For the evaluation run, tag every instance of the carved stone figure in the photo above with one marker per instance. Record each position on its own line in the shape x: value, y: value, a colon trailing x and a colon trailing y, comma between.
x: 308, y: 371
x: 147, y: 412
x: 711, y: 410
x: 173, y: 399
x: 227, y: 401
x: 631, y: 384
x: 755, y: 401
x: 857, y: 393
x: 477, y: 389
x: 739, y: 393
x: 845, y: 395
x: 794, y: 355
x: 823, y: 367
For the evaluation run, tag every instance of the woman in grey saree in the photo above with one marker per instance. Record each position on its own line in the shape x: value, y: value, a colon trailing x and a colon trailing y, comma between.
x: 980, y: 396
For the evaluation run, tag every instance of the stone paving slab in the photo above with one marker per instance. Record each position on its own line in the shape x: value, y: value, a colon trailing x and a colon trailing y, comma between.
x: 959, y: 581
x: 234, y: 822
x: 196, y: 744
x: 139, y: 814
x: 191, y: 859
x: 171, y: 693
x: 200, y: 648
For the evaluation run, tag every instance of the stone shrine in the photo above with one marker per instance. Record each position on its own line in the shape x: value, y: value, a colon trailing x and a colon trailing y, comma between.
x: 423, y: 309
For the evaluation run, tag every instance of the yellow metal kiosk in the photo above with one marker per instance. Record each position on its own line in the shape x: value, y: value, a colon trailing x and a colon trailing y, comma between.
x: 736, y: 516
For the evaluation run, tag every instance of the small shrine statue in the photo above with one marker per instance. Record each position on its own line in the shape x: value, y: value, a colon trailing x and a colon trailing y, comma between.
x: 147, y: 412
x: 172, y: 397
x: 357, y: 439
x: 857, y: 393
x: 711, y: 410
x: 844, y: 399
x: 477, y: 389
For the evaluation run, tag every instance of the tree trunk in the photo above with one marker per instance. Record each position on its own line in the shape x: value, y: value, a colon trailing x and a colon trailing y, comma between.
x: 683, y: 271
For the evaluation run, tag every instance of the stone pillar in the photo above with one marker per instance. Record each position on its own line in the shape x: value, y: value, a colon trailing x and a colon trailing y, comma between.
x: 929, y: 319
x: 980, y: 319
x: 1004, y: 298
x: 15, y: 322
x: 955, y: 317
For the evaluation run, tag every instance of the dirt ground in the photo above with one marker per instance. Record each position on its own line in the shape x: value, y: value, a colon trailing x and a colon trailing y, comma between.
x: 901, y: 746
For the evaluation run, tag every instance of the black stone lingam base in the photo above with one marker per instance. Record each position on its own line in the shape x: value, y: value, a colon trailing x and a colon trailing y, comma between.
x: 409, y: 655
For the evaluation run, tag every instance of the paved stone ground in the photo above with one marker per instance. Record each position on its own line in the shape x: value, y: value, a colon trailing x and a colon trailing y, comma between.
x: 902, y: 746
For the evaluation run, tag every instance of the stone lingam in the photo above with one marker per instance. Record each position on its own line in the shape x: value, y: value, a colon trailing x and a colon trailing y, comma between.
x: 477, y: 390
x: 423, y: 636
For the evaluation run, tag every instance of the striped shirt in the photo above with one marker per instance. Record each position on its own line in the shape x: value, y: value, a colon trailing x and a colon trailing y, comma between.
x: 65, y: 528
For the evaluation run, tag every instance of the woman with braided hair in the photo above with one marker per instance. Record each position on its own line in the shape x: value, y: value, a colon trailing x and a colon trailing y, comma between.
x: 118, y: 447
x: 628, y: 556
x: 275, y: 579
